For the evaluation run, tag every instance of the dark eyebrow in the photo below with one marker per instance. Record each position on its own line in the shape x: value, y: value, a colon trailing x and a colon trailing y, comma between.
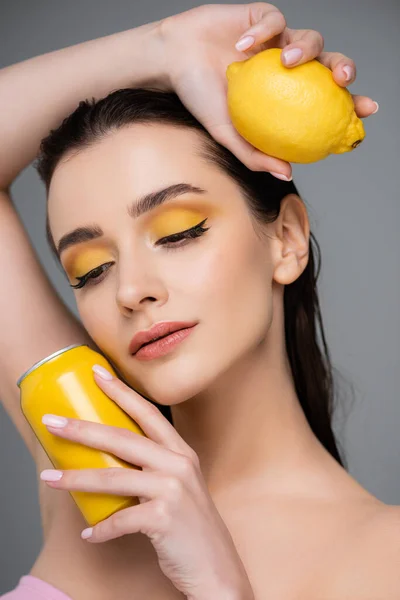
x: 135, y: 210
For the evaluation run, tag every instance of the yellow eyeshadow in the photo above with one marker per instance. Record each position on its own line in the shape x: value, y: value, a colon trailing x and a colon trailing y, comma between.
x: 170, y: 221
x: 174, y: 221
x: 88, y: 260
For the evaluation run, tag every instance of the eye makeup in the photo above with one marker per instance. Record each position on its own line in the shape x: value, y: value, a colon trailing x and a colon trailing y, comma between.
x: 170, y: 221
x: 87, y: 259
x: 170, y: 242
x: 174, y: 221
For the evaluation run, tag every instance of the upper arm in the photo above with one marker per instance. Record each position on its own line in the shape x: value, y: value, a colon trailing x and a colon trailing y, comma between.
x: 34, y: 322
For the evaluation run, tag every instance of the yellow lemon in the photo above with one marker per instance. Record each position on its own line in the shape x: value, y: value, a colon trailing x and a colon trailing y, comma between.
x: 299, y: 115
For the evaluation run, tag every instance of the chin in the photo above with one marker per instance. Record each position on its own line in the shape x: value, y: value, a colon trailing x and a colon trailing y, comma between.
x: 168, y: 394
x: 170, y: 384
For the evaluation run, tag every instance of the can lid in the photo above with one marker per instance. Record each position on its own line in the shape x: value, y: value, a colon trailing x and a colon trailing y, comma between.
x: 44, y: 360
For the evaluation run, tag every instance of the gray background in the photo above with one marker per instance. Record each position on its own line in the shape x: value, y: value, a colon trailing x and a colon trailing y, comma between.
x: 354, y: 209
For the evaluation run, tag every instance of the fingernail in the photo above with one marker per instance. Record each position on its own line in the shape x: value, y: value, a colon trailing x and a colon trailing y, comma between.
x: 377, y: 108
x: 102, y: 372
x: 245, y: 42
x: 292, y: 56
x: 51, y: 475
x: 281, y: 176
x: 86, y: 533
x: 54, y: 421
x: 349, y: 72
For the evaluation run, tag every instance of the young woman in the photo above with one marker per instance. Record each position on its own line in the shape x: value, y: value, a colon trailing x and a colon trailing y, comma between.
x: 159, y: 212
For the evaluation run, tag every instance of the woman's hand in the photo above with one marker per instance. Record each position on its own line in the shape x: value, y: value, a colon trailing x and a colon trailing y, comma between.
x: 194, y: 547
x: 199, y: 46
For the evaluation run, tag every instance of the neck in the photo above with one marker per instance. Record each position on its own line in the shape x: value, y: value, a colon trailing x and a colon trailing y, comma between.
x: 248, y: 428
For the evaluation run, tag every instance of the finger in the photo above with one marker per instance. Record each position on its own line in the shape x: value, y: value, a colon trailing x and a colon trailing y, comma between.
x: 343, y: 68
x: 114, y: 480
x: 222, y: 130
x: 123, y: 443
x: 146, y: 415
x: 364, y: 106
x: 265, y: 22
x: 250, y: 156
x: 134, y: 519
x: 304, y: 45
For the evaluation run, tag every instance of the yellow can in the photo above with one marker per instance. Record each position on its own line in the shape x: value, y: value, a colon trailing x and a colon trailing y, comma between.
x: 63, y: 384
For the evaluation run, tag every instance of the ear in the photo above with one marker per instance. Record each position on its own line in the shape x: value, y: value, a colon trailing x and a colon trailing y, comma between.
x: 291, y: 236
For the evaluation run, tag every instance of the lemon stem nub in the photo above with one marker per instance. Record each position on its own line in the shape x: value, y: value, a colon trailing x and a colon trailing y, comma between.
x: 357, y: 143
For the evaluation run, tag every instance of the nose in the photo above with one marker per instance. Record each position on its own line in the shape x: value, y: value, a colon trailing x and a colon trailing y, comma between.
x: 138, y: 285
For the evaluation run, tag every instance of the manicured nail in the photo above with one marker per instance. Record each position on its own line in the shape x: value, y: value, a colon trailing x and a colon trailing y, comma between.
x: 51, y: 475
x: 86, y: 533
x: 349, y: 72
x: 292, y: 56
x: 245, y: 42
x: 281, y: 176
x: 377, y: 108
x: 102, y: 372
x: 54, y: 421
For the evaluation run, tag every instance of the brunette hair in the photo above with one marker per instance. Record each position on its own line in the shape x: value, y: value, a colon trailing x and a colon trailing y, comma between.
x: 309, y: 357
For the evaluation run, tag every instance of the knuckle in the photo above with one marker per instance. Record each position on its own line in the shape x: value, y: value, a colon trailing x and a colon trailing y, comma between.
x: 224, y: 133
x: 186, y: 466
x: 78, y: 478
x: 258, y: 9
x: 115, y: 524
x: 338, y: 56
x: 126, y: 433
x: 162, y: 514
x: 247, y: 157
x: 110, y: 474
x: 319, y: 38
x: 247, y: 163
x: 173, y: 489
x: 118, y: 383
x: 256, y: 167
x: 77, y: 425
x: 221, y: 137
x: 153, y: 410
x: 262, y: 12
x: 256, y: 160
x: 194, y: 458
x: 280, y: 19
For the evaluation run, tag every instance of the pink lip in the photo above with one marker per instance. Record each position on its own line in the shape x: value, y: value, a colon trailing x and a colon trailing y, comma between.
x: 164, y: 345
x: 161, y: 329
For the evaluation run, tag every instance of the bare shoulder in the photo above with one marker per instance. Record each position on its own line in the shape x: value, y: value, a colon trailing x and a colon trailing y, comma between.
x: 379, y: 547
x: 384, y: 530
x: 365, y: 563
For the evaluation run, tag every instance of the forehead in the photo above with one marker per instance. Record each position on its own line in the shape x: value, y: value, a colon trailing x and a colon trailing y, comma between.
x: 106, y: 177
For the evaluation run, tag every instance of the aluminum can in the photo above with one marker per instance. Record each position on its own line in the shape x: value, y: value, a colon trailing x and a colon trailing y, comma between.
x: 63, y: 384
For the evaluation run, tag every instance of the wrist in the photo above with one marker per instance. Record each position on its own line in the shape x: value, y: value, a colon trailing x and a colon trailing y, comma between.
x: 148, y: 45
x: 154, y: 52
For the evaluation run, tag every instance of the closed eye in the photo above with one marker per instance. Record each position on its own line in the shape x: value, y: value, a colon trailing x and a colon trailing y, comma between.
x: 93, y: 277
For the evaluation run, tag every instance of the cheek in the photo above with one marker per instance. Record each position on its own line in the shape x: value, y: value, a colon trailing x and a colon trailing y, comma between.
x: 98, y: 319
x: 240, y: 295
x: 233, y: 272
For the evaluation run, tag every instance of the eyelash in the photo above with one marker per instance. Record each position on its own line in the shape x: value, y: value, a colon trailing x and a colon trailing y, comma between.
x: 193, y: 232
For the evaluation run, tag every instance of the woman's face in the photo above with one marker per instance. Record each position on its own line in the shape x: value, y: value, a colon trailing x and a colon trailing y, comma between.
x: 222, y: 280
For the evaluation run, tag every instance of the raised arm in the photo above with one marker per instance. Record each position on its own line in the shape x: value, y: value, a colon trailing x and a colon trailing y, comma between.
x: 35, y: 96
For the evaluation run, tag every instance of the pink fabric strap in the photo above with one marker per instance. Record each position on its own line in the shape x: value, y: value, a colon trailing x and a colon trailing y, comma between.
x: 33, y: 588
